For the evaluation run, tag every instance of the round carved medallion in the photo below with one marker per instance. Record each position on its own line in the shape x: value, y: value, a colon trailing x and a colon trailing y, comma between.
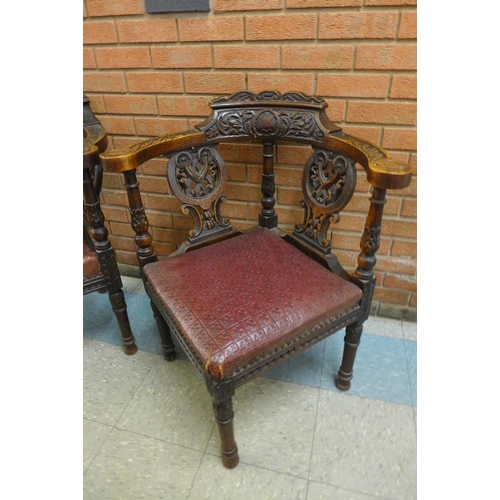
x: 328, y: 181
x: 197, y: 175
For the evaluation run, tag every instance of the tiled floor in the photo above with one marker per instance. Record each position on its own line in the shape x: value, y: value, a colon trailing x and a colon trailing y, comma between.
x: 149, y: 432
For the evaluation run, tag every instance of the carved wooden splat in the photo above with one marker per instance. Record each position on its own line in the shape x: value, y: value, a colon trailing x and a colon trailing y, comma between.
x: 197, y: 177
x: 328, y: 183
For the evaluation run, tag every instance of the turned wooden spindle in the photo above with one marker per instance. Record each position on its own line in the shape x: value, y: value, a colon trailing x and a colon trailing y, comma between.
x: 140, y: 224
x: 146, y: 254
x: 222, y: 403
x: 268, y: 217
x: 370, y: 243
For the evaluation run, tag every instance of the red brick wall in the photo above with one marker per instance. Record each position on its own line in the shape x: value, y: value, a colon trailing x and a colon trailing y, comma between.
x: 152, y: 74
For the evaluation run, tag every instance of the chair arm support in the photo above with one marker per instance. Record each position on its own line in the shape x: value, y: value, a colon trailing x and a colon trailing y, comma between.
x: 370, y: 243
x: 139, y: 221
x: 382, y: 171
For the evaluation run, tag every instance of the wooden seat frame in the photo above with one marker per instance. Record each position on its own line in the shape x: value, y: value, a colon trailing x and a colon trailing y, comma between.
x: 94, y: 231
x: 329, y: 181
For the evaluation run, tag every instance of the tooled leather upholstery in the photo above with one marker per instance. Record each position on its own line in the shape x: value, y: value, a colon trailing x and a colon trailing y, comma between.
x: 239, y: 298
x: 91, y: 266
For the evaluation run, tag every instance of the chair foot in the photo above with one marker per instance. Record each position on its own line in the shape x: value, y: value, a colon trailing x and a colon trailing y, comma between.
x: 119, y: 306
x: 169, y: 355
x: 343, y: 381
x: 231, y: 458
x: 224, y: 417
x: 130, y: 349
x: 351, y: 343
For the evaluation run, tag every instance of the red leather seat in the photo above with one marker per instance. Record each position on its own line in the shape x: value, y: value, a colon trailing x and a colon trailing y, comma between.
x: 91, y: 267
x: 237, y: 299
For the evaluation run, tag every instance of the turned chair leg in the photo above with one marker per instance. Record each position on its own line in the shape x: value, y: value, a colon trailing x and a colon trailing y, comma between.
x: 351, y: 343
x: 119, y: 307
x: 167, y: 344
x: 224, y: 417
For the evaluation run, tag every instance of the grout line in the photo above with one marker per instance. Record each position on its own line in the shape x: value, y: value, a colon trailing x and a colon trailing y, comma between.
x: 350, y: 490
x: 316, y: 417
x: 262, y: 468
x: 102, y: 445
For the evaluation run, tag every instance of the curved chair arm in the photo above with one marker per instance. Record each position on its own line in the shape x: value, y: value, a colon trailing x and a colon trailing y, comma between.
x: 95, y: 141
x: 382, y: 171
x: 126, y: 159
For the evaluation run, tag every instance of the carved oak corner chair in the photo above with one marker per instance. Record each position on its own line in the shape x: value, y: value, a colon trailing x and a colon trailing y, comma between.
x: 100, y: 270
x: 241, y: 303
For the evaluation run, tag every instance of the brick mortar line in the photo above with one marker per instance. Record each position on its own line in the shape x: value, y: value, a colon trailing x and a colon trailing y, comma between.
x: 240, y: 13
x: 331, y: 72
x: 310, y: 71
x: 265, y: 41
x: 398, y: 27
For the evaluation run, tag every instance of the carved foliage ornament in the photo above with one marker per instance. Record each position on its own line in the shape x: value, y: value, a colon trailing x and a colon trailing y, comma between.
x: 140, y: 222
x: 316, y: 228
x: 370, y: 240
x: 109, y: 269
x: 300, y: 124
x: 328, y: 183
x: 93, y: 215
x: 197, y: 177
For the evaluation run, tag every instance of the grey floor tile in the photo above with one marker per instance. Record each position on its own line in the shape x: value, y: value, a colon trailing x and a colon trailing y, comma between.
x: 86, y: 342
x: 94, y: 436
x: 130, y: 283
x: 380, y: 369
x: 140, y: 288
x: 172, y: 404
x: 387, y: 327
x: 305, y: 369
x: 110, y: 379
x: 131, y: 467
x: 274, y: 425
x: 365, y: 445
x: 245, y: 482
x: 319, y: 491
x: 410, y: 330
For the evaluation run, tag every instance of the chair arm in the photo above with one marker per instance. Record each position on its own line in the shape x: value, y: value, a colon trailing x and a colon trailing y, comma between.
x: 382, y: 171
x: 126, y: 159
x: 95, y: 141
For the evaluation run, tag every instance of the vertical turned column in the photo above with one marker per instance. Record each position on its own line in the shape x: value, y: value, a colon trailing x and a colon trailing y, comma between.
x: 140, y: 224
x: 268, y: 217
x: 167, y: 343
x: 107, y: 260
x: 146, y: 254
x: 222, y: 393
x: 370, y: 242
x: 224, y: 415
